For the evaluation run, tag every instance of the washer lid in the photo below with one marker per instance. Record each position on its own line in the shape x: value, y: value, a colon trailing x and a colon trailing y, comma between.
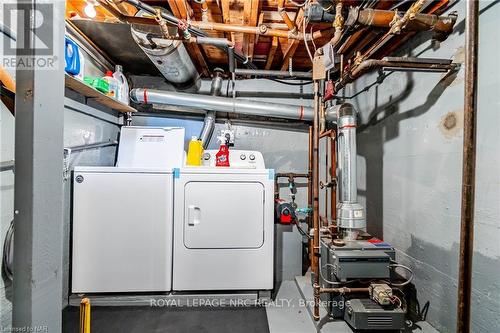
x: 151, y: 147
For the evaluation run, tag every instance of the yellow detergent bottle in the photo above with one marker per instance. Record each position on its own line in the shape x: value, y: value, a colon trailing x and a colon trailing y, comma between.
x: 195, y: 151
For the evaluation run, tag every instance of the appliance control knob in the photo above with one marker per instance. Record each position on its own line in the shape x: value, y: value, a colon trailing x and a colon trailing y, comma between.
x: 252, y: 157
x: 206, y: 156
x: 243, y: 157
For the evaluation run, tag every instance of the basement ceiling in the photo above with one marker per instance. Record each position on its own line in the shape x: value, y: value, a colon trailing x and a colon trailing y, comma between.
x: 265, y: 52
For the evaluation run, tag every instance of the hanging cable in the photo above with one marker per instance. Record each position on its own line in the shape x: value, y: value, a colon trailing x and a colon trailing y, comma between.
x: 304, y: 24
x: 408, y: 279
x: 289, y: 83
x: 300, y: 5
x: 312, y: 39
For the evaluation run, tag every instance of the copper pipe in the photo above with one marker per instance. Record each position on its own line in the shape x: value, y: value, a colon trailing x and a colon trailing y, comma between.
x: 322, y: 33
x: 344, y: 290
x: 291, y: 175
x: 261, y: 30
x: 420, y: 22
x: 204, y: 9
x: 315, y: 183
x: 325, y: 134
x: 400, y: 22
x: 439, y: 35
x: 338, y: 24
x: 309, y: 172
x: 468, y: 169
x: 289, y: 23
x: 326, y: 181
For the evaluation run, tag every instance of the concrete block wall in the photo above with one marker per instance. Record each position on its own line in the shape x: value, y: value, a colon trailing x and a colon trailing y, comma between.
x: 409, y: 174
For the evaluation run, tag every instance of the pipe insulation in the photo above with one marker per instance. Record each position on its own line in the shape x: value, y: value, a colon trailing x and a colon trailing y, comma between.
x: 224, y: 104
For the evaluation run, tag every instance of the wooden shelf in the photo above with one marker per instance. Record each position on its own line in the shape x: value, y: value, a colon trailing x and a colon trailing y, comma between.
x: 89, y: 92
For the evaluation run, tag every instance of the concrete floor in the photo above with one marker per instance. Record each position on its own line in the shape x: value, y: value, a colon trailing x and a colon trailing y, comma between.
x: 290, y: 312
x: 145, y: 319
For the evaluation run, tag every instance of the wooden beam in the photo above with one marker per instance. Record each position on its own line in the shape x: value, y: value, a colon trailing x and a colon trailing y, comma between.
x: 226, y: 18
x: 179, y: 9
x: 288, y: 54
x: 259, y: 23
x: 250, y: 16
x: 293, y: 44
x: 272, y: 52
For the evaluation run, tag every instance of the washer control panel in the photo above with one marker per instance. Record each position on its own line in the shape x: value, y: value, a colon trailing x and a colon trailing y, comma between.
x: 244, y: 159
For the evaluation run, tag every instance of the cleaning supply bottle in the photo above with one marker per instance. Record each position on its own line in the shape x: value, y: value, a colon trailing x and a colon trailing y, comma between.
x: 222, y: 157
x: 123, y: 89
x: 195, y: 151
x: 73, y: 58
x: 112, y: 84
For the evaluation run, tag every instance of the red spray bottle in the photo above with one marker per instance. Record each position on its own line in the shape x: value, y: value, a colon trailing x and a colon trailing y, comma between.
x: 222, y: 156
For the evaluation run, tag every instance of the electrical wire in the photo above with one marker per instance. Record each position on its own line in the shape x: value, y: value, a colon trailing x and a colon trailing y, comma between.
x: 289, y: 83
x: 408, y: 279
x: 312, y: 39
x: 304, y: 24
x: 301, y: 231
x: 300, y: 5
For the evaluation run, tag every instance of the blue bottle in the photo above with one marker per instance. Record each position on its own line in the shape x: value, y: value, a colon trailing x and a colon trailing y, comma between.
x: 72, y: 57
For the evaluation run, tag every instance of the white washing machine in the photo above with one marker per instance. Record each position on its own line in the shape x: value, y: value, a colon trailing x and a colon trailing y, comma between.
x: 122, y: 216
x: 223, y: 225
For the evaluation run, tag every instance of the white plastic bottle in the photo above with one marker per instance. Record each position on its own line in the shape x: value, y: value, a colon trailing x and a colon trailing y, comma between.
x: 123, y: 89
x: 112, y: 84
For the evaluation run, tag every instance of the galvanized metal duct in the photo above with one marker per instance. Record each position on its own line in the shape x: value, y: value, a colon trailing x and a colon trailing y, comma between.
x: 223, y: 104
x: 350, y: 214
x: 209, y: 122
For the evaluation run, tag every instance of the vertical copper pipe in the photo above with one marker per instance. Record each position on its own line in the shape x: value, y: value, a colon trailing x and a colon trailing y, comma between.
x: 333, y: 177
x: 309, y: 191
x: 315, y: 183
x: 468, y: 169
x: 309, y: 171
x: 327, y: 189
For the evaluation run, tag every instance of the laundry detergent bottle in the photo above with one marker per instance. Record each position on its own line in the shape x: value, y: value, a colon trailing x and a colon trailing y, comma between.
x: 222, y: 157
x: 195, y: 151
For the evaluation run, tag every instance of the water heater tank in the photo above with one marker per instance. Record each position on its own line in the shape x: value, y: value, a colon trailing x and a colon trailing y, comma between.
x: 169, y: 56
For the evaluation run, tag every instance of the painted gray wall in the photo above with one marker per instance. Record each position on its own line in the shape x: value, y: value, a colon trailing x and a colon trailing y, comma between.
x: 82, y: 125
x: 6, y: 196
x: 409, y: 174
x: 6, y: 205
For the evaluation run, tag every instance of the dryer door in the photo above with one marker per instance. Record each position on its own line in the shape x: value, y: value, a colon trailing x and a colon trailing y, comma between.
x: 223, y: 215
